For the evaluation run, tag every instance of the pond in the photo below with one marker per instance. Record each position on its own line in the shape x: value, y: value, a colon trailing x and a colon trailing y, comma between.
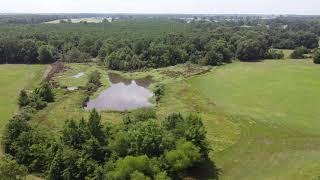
x: 78, y: 75
x: 123, y: 94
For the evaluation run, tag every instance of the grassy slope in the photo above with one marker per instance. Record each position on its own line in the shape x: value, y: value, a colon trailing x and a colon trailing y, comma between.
x: 275, y: 104
x: 13, y: 78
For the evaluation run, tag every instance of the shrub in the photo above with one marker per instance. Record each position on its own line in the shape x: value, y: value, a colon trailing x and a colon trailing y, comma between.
x: 46, y: 54
x: 36, y: 102
x: 316, y: 56
x: 299, y: 52
x: 16, y: 125
x: 93, y: 82
x: 11, y: 170
x: 45, y: 92
x: 142, y: 114
x: 23, y: 99
x: 274, y: 54
x: 251, y: 50
x: 134, y: 167
x: 184, y: 156
x: 158, y: 92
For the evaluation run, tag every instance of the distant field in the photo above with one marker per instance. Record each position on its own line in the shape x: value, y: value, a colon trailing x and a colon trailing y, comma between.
x: 275, y: 103
x: 13, y: 78
x: 78, y: 20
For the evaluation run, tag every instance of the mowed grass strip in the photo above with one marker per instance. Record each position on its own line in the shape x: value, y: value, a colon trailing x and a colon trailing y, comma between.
x: 14, y: 78
x: 276, y: 105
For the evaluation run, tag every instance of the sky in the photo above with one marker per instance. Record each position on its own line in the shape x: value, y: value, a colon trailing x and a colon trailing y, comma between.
x: 304, y: 7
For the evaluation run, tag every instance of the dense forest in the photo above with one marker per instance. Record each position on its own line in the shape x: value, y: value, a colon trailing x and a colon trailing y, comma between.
x: 142, y: 146
x: 129, y: 44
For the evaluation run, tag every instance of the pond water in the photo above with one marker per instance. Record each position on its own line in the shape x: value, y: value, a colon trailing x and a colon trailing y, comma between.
x: 123, y: 94
x: 78, y: 75
x: 72, y: 88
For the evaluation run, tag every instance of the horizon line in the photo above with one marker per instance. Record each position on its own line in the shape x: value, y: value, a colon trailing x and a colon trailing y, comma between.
x: 157, y: 13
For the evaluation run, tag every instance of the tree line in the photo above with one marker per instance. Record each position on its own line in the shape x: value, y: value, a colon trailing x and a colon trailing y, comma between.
x: 118, y: 48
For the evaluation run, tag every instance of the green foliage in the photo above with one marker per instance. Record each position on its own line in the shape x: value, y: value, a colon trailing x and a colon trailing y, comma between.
x: 74, y: 134
x: 142, y: 114
x: 46, y: 54
x: 140, y: 149
x: 299, y: 53
x: 37, y: 102
x: 291, y: 40
x: 29, y: 146
x: 136, y: 175
x: 38, y: 99
x: 158, y: 91
x: 191, y: 128
x: 134, y: 167
x: 251, y: 49
x: 16, y: 125
x: 316, y: 56
x: 93, y: 82
x: 70, y: 164
x: 275, y: 54
x: 11, y: 170
x: 32, y: 147
x: 184, y: 156
x: 45, y: 92
x: 94, y: 78
x: 75, y: 55
x: 23, y: 98
x: 141, y: 138
x: 95, y: 127
x: 141, y: 43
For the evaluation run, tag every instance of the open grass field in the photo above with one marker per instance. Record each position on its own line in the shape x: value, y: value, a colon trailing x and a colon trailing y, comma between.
x: 261, y: 118
x: 13, y: 78
x: 274, y: 103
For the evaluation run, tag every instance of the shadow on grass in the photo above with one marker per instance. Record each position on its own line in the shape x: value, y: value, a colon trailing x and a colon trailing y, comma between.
x: 204, y: 171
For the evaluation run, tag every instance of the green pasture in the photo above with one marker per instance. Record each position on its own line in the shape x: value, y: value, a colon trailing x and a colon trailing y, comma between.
x: 275, y: 104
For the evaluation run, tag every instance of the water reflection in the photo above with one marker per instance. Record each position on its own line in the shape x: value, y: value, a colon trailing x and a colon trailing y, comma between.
x: 116, y: 78
x: 124, y: 94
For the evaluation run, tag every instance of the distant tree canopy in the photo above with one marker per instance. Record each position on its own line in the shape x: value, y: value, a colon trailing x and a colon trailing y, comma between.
x: 134, y: 44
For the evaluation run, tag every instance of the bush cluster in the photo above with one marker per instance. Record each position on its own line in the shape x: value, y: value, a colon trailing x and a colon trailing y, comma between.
x: 38, y: 99
x: 299, y: 53
x: 142, y: 147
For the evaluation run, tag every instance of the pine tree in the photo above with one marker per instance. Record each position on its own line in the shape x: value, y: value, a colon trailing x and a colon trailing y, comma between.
x: 23, y: 98
x: 95, y: 127
x: 45, y: 92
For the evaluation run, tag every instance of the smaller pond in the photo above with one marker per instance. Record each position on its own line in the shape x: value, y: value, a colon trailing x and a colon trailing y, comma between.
x: 78, y: 75
x: 123, y: 94
x: 72, y: 88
